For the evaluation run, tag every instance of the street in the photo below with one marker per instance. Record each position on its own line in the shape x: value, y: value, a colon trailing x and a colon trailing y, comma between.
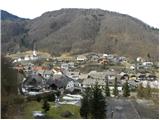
x: 122, y: 108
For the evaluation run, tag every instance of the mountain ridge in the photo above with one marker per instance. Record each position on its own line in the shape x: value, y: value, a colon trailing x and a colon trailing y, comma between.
x: 85, y: 30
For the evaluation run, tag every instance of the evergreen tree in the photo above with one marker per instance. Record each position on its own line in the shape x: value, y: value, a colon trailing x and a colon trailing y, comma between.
x: 45, y: 106
x: 93, y: 103
x: 115, y: 90
x: 126, y: 90
x: 107, y: 90
x: 85, y: 104
x: 51, y: 97
x: 98, y: 104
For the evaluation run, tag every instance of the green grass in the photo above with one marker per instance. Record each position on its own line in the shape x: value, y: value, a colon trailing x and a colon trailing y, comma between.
x: 29, y: 107
x: 53, y: 113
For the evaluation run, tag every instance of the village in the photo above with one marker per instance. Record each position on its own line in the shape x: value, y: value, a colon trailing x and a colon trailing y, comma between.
x: 71, y: 75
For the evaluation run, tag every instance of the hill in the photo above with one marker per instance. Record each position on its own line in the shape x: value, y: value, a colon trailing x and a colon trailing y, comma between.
x: 78, y: 31
x: 8, y: 16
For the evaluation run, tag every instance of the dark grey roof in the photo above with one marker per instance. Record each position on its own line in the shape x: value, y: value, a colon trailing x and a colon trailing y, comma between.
x: 38, y: 79
x: 59, y: 80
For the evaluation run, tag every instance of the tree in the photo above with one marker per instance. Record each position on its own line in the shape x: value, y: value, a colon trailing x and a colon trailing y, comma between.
x: 45, y: 106
x: 10, y: 101
x: 107, y: 90
x: 144, y: 92
x: 51, y: 97
x: 147, y: 91
x: 93, y: 103
x: 85, y: 103
x: 126, y: 90
x: 98, y: 104
x: 149, y: 57
x: 115, y: 90
x: 38, y: 98
x: 140, y: 90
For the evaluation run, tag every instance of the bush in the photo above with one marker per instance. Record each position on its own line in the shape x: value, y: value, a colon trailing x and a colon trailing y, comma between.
x: 66, y: 114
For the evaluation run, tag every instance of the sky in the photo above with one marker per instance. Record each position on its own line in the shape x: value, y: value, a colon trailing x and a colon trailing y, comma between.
x: 145, y: 10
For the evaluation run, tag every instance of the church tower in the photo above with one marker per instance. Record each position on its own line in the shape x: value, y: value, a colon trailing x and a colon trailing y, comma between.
x: 34, y: 50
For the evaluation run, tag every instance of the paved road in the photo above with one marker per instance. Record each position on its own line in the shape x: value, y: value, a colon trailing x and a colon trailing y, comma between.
x: 121, y: 108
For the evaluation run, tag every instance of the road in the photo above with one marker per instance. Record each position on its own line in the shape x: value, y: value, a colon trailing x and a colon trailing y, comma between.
x: 122, y: 108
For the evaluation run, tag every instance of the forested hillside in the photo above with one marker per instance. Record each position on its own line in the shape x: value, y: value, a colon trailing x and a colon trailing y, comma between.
x: 81, y: 30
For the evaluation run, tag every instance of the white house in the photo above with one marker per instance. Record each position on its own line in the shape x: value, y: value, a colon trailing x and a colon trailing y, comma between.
x: 147, y: 63
x: 32, y: 57
x: 26, y: 58
x: 139, y: 59
x: 14, y: 61
x: 153, y: 84
x: 70, y: 86
x: 19, y: 60
x: 105, y: 55
x: 81, y: 58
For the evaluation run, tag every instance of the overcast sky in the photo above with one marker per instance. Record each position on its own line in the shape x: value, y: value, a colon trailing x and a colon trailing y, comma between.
x: 145, y: 10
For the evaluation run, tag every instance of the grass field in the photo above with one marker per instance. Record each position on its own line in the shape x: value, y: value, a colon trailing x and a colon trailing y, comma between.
x: 53, y: 113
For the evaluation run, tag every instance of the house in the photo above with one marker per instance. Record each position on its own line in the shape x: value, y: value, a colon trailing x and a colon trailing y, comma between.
x: 32, y: 57
x: 102, y: 60
x: 142, y: 77
x: 151, y: 77
x: 125, y: 77
x: 70, y: 86
x: 61, y: 81
x: 47, y: 74
x: 119, y: 89
x: 57, y: 71
x: 110, y: 75
x: 73, y: 75
x: 81, y: 58
x: 89, y: 82
x: 147, y: 64
x: 94, y: 58
x: 26, y: 58
x: 132, y: 67
x: 64, y: 66
x: 105, y: 56
x: 110, y: 56
x: 152, y: 84
x: 43, y: 71
x: 133, y: 84
x: 71, y: 64
x: 139, y: 59
x: 132, y: 77
x: 14, y: 61
x: 122, y: 59
x: 34, y: 83
x: 19, y: 59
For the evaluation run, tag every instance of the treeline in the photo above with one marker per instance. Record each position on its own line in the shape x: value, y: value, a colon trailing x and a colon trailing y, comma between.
x: 148, y: 93
x: 10, y: 100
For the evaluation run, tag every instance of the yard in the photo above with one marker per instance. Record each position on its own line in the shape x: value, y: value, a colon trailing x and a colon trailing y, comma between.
x: 54, y: 112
